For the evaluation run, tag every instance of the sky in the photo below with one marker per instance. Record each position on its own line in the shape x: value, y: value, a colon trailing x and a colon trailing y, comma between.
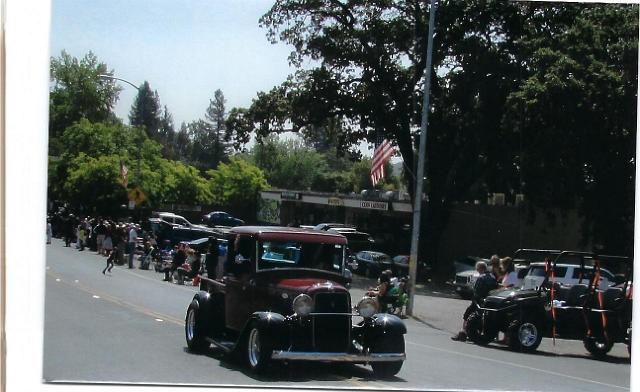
x: 185, y: 49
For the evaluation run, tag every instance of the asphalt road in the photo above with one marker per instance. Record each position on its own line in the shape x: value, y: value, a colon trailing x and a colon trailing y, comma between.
x: 127, y: 327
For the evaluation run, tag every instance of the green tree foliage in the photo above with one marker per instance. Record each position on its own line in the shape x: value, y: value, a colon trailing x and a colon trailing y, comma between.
x: 236, y: 183
x: 288, y: 164
x: 146, y: 111
x: 577, y: 111
x: 88, y: 172
x: 215, y: 117
x: 93, y: 182
x: 78, y: 91
x: 509, y: 78
x: 167, y: 134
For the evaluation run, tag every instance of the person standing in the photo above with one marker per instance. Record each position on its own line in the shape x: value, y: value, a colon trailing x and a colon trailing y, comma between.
x: 81, y: 235
x: 49, y: 231
x: 131, y: 244
x: 211, y: 259
x: 100, y: 232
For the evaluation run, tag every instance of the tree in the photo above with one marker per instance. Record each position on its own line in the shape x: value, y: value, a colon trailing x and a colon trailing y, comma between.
x: 288, y: 164
x: 167, y: 134
x: 182, y: 144
x: 370, y: 58
x: 216, y: 116
x: 237, y: 184
x: 78, y: 92
x: 146, y: 112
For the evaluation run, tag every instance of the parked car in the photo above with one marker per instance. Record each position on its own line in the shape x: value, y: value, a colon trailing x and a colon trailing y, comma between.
x: 598, y: 315
x: 283, y: 298
x: 221, y: 218
x: 566, y: 274
x: 371, y: 263
x: 327, y: 226
x: 400, y: 265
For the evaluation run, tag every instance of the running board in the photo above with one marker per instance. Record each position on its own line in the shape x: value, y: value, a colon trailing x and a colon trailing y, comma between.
x: 226, y: 345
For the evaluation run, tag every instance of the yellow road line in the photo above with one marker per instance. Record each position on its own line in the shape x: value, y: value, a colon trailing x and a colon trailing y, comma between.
x: 516, y: 365
x: 118, y: 301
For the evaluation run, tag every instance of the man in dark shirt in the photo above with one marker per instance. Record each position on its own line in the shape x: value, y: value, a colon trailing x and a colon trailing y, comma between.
x: 484, y: 284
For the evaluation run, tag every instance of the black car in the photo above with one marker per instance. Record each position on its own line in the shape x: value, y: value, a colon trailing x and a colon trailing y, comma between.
x: 371, y: 263
x: 221, y: 218
x: 598, y: 316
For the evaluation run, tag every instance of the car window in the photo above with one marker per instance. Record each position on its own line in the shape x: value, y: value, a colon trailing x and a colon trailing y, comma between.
x: 382, y: 258
x: 538, y: 270
x: 182, y: 221
x: 291, y: 254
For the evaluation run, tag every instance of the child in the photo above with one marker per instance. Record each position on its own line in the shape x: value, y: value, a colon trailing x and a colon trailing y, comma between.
x: 110, y: 259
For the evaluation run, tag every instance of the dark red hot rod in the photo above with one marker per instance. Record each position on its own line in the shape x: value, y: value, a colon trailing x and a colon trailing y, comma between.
x: 283, y: 297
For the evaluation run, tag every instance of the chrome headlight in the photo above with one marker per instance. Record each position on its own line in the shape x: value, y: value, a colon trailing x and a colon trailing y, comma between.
x: 302, y: 305
x: 367, y: 307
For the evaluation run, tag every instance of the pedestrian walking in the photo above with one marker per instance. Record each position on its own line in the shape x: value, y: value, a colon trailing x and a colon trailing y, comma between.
x: 484, y: 283
x: 110, y: 259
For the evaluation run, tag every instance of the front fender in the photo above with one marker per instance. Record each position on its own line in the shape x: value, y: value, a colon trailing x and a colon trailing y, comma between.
x: 383, y: 323
x: 273, y: 325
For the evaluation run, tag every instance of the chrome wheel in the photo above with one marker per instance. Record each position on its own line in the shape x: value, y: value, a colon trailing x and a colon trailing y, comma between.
x: 253, y: 348
x: 191, y: 324
x: 528, y: 334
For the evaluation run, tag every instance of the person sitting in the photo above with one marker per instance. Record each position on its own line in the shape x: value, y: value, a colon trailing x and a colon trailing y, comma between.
x: 385, y: 292
x: 147, y: 255
x: 484, y: 284
x: 510, y: 277
x: 179, y: 257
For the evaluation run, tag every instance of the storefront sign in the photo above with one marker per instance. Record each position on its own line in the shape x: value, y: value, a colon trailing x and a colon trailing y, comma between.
x: 290, y: 195
x: 375, y: 205
x: 335, y: 201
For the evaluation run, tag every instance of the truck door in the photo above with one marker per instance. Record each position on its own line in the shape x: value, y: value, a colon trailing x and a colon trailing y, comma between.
x: 240, y: 282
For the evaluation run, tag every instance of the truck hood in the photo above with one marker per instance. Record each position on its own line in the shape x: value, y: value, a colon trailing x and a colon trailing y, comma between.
x: 310, y: 285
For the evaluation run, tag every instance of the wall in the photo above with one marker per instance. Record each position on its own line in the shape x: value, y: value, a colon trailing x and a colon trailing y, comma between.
x: 482, y: 230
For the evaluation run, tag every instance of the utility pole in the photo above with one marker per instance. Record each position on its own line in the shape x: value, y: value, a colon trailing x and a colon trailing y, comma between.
x: 417, y: 202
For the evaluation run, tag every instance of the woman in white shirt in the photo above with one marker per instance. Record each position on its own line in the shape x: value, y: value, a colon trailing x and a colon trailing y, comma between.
x: 510, y: 277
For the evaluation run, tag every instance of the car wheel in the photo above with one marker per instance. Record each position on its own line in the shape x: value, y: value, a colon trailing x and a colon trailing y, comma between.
x: 474, y: 328
x: 598, y: 347
x: 194, y: 329
x: 525, y: 335
x: 257, y: 349
x: 388, y: 344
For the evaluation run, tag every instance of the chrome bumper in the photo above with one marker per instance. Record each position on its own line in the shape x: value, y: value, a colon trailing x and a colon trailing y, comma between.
x: 337, y: 357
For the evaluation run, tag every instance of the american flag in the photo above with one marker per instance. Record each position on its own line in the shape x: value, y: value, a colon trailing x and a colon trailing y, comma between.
x: 124, y: 172
x: 384, y: 150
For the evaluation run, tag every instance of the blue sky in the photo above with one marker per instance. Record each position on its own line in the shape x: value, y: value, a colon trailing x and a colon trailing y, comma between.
x: 185, y: 49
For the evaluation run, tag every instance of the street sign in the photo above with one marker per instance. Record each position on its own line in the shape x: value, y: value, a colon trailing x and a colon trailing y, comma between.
x: 137, y: 196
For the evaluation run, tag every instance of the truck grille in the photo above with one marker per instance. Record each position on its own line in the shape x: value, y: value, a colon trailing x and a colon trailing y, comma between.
x: 462, y: 279
x: 331, y: 332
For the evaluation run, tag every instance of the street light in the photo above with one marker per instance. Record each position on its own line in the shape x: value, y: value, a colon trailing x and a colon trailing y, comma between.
x: 106, y: 76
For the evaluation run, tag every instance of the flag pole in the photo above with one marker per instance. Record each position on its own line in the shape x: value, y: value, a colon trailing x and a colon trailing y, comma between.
x: 417, y: 203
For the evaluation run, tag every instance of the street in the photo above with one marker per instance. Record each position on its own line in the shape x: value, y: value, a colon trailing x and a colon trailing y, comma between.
x: 128, y: 327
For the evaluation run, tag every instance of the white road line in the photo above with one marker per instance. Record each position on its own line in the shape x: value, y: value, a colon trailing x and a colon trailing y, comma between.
x: 96, y: 296
x: 485, y: 359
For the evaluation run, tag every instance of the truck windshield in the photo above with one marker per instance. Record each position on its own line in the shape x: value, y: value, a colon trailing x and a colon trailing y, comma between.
x: 289, y: 254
